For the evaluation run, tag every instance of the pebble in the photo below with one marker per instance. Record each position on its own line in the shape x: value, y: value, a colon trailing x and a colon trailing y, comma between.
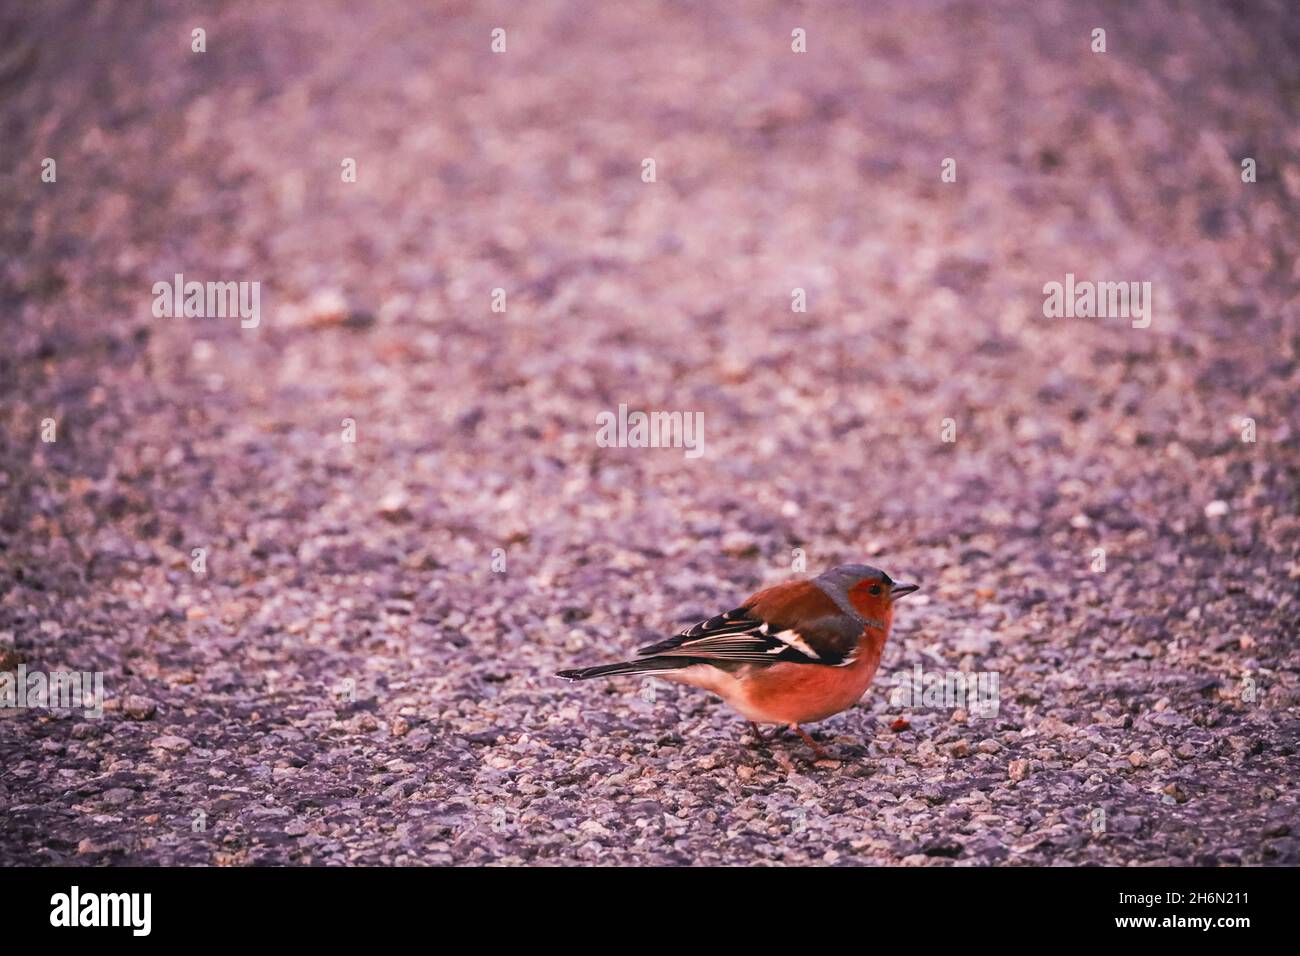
x: 138, y: 707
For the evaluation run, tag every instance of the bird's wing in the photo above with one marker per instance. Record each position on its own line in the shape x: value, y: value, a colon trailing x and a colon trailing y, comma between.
x: 801, y: 626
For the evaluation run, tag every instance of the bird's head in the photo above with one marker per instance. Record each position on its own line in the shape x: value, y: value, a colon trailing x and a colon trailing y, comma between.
x: 870, y: 591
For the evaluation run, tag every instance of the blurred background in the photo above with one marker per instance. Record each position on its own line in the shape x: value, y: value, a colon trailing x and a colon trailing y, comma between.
x: 330, y: 562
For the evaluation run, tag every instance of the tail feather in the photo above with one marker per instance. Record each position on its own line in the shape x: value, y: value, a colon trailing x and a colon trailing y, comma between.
x: 629, y: 667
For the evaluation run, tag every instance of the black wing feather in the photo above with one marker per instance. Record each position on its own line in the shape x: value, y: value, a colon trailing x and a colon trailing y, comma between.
x: 737, y: 636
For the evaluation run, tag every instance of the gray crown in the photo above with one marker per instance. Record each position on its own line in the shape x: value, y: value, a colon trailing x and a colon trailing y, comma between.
x: 837, y: 581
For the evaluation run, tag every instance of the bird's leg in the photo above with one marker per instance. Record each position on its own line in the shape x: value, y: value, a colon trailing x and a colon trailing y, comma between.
x: 817, y: 748
x: 759, y: 734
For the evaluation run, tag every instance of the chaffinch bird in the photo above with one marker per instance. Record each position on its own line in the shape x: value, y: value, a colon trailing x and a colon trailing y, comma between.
x: 791, y: 654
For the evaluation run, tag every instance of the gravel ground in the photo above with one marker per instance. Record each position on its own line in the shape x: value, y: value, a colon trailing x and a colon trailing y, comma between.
x: 351, y: 681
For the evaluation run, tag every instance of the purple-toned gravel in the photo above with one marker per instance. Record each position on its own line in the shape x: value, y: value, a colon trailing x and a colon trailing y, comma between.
x: 350, y: 681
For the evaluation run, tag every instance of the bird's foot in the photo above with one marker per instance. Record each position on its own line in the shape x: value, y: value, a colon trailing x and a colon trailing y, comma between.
x: 762, y: 738
x: 818, y: 750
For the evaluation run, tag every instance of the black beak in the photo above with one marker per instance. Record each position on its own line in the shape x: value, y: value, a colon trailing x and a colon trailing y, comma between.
x: 898, y: 590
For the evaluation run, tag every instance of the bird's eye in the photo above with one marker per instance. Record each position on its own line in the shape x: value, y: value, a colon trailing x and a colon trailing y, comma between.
x: 875, y: 589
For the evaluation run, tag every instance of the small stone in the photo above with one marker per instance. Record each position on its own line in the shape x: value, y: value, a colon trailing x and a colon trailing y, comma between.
x: 138, y: 707
x: 395, y: 506
x: 170, y: 742
x: 739, y: 544
x: 1018, y: 770
x: 400, y: 727
x: 1053, y: 727
x: 118, y: 796
x: 1137, y: 759
x: 1216, y: 509
x: 363, y: 723
x: 960, y: 749
x: 325, y: 307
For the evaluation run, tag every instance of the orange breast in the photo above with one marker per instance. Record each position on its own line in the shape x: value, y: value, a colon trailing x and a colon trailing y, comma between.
x: 804, y: 693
